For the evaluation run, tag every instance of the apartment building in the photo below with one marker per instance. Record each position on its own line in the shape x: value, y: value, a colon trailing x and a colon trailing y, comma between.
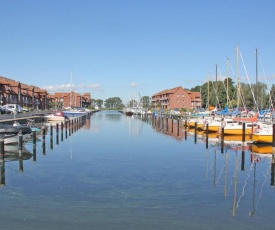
x: 71, y: 99
x: 29, y: 96
x: 33, y: 97
x: 176, y: 98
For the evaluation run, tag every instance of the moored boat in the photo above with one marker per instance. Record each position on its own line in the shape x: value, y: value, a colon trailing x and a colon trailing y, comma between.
x: 56, y: 116
x: 263, y: 135
x: 10, y: 133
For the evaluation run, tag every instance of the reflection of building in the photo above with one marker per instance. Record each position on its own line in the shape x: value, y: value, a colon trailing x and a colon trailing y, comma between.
x: 168, y: 127
x: 177, y: 98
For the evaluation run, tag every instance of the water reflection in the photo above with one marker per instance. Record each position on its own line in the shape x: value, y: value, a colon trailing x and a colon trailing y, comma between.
x: 167, y: 126
x: 154, y: 181
x: 12, y: 153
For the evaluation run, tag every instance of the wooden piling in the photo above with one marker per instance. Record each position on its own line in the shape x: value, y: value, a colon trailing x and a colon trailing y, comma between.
x: 222, y: 139
x: 243, y: 133
x: 2, y: 149
x: 206, y: 133
x: 34, y: 138
x: 20, y: 141
x: 273, y: 138
x: 195, y: 132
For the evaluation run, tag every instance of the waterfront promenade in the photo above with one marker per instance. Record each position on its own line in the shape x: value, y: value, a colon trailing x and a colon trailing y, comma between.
x: 36, y: 114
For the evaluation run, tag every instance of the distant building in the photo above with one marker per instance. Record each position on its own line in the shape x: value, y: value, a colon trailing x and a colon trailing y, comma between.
x: 71, y: 99
x: 176, y: 98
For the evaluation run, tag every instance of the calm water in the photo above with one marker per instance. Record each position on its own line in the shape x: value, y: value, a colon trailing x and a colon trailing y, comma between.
x: 119, y: 172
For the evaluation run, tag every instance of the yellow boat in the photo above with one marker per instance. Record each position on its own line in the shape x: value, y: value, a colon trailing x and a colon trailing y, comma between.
x: 263, y: 135
x: 237, y: 129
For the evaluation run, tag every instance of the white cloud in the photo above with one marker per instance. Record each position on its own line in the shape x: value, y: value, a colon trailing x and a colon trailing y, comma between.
x: 71, y: 87
x: 134, y: 84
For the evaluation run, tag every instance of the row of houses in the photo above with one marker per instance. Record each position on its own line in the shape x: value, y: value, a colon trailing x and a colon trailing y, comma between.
x: 177, y: 98
x: 33, y: 97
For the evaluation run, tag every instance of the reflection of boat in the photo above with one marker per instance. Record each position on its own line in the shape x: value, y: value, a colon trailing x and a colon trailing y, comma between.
x: 235, y: 141
x: 56, y: 116
x: 12, y: 153
x: 261, y: 149
x: 10, y: 133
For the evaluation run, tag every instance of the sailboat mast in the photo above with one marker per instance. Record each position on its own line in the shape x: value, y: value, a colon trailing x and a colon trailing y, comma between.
x: 237, y: 76
x: 71, y: 90
x: 227, y: 76
x: 218, y: 103
x: 208, y: 96
x: 257, y: 87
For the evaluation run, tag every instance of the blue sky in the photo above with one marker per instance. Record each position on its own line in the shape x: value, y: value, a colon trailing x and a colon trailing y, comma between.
x: 119, y: 48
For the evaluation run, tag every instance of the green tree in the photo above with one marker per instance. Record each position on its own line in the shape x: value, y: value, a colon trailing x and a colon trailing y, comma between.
x: 113, y: 103
x: 99, y: 103
x: 145, y: 101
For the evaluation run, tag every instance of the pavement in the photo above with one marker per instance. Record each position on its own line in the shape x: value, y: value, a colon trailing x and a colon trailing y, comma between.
x: 26, y: 115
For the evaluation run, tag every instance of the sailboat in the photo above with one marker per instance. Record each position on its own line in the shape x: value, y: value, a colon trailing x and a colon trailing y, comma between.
x: 74, y: 111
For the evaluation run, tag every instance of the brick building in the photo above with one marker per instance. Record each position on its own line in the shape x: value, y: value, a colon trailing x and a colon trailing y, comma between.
x: 71, y: 99
x: 29, y: 96
x: 33, y: 97
x: 176, y: 98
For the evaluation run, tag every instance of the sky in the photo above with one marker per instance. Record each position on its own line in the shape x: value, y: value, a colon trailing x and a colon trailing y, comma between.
x: 132, y: 48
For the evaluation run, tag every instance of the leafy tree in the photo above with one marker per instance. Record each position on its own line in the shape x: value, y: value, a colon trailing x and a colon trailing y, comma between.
x: 99, y: 103
x: 145, y: 100
x: 113, y: 103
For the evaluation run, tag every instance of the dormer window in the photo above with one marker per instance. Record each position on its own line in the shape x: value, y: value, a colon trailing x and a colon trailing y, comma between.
x: 6, y: 87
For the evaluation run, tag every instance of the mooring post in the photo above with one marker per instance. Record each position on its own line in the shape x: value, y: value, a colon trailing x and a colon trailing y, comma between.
x: 34, y: 138
x: 243, y: 134
x: 273, y: 138
x: 195, y: 133
x: 206, y: 142
x: 222, y: 139
x: 20, y: 142
x: 2, y: 149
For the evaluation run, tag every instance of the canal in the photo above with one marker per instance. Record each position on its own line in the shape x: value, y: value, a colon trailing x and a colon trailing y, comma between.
x: 119, y: 172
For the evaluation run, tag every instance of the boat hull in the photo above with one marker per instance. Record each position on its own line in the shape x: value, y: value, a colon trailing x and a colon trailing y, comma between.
x: 261, y: 138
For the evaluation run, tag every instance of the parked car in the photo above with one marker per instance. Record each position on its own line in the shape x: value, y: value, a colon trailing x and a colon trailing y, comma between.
x: 25, y: 109
x: 175, y: 111
x: 14, y: 108
x: 5, y: 110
